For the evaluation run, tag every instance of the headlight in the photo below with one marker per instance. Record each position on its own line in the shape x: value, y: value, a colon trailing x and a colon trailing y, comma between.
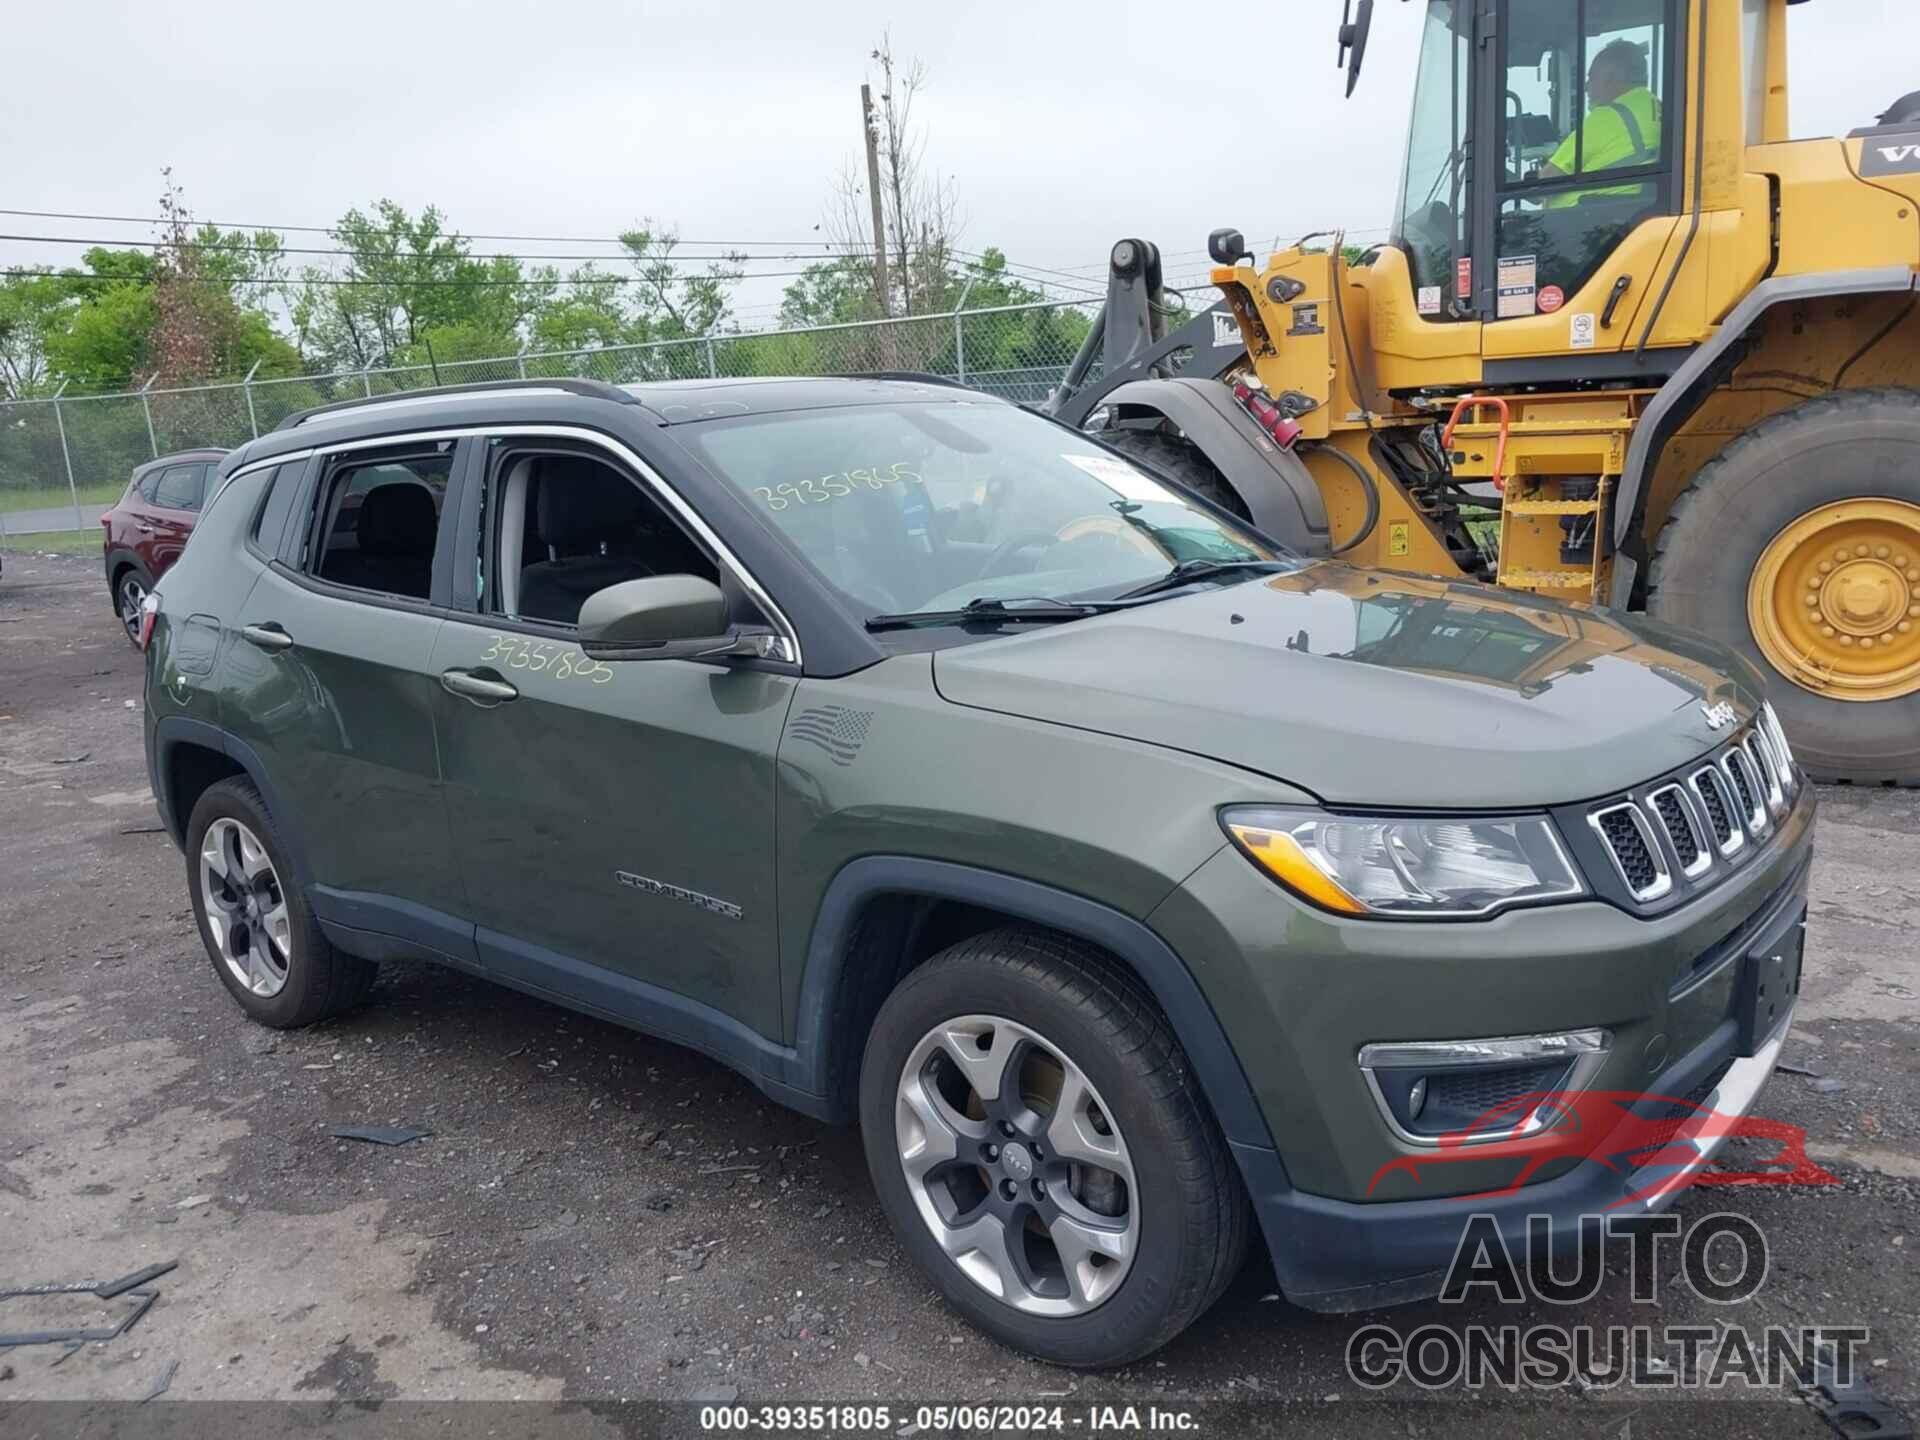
x: 1431, y: 866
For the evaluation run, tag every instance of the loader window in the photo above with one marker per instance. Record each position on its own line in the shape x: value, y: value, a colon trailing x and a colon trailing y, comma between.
x: 1429, y: 225
x: 1585, y: 145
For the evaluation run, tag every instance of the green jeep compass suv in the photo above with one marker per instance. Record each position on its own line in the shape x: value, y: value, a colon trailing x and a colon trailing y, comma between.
x: 1130, y: 882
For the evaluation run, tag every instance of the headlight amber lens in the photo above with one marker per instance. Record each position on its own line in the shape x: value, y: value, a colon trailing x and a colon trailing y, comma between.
x: 1431, y: 866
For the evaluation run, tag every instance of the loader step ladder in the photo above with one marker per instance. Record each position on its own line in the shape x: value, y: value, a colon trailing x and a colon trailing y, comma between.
x: 1557, y: 461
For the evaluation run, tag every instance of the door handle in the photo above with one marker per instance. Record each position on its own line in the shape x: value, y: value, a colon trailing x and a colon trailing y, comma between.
x: 144, y: 528
x: 1620, y: 288
x: 478, y: 688
x: 268, y: 636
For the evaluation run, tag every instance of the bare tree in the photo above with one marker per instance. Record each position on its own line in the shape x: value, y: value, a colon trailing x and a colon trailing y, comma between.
x: 185, y: 339
x: 921, y: 208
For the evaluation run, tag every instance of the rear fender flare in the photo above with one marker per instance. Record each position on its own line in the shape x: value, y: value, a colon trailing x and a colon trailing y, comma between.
x: 172, y: 731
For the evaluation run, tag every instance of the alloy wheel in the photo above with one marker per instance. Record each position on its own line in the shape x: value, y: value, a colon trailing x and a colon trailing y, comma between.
x: 1016, y: 1166
x: 246, y: 907
x: 132, y: 594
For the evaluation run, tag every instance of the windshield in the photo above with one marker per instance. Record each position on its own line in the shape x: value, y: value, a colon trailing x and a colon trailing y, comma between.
x: 1433, y: 186
x: 923, y: 507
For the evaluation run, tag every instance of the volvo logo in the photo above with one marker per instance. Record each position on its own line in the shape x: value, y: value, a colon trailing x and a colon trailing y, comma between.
x: 1719, y: 715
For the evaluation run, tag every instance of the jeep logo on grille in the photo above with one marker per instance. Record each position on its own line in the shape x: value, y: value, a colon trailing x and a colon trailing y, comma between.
x: 1719, y: 715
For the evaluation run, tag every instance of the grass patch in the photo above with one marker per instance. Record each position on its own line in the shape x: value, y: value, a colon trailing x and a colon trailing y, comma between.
x: 51, y: 497
x: 57, y: 542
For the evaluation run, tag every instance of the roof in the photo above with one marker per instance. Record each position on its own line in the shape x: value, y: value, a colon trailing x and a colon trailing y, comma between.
x: 677, y: 402
x: 196, y: 452
x: 669, y: 402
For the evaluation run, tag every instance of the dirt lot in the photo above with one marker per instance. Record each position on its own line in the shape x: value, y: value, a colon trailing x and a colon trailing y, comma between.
x: 599, y: 1216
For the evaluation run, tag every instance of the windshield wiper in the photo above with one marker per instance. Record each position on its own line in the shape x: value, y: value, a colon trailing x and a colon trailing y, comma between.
x: 1029, y: 609
x: 1188, y: 571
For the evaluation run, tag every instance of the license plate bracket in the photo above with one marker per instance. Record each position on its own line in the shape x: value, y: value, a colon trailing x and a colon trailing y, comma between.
x: 1770, y: 980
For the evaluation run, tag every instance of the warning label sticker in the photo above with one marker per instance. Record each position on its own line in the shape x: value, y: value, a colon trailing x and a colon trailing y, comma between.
x: 1552, y: 297
x: 1580, y: 331
x: 1429, y: 300
x: 1517, y: 282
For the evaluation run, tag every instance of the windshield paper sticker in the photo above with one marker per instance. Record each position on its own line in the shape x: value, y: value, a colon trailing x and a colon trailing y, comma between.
x: 820, y: 490
x: 1429, y: 303
x: 1116, y: 474
x: 1517, y: 279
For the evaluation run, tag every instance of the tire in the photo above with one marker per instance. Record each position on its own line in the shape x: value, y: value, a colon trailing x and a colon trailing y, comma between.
x: 1857, y: 444
x: 1050, y: 998
x: 1180, y: 459
x: 283, y: 972
x: 130, y: 586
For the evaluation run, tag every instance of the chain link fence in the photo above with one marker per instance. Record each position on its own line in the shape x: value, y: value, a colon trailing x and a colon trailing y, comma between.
x: 65, y: 457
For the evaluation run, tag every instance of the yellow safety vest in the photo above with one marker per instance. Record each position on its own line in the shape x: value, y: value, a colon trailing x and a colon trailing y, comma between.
x: 1626, y: 132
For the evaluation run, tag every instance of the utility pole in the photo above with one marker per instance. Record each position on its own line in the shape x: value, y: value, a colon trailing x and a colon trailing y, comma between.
x: 868, y: 133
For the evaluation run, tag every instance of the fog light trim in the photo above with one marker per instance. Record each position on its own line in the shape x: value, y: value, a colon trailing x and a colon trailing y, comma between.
x: 1585, y: 1051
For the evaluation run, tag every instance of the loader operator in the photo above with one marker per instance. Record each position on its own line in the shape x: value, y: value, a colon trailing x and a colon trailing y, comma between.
x: 1622, y: 125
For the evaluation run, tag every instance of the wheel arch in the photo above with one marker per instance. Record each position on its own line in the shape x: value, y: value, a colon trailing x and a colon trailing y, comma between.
x: 1279, y: 492
x: 884, y: 914
x: 119, y: 561
x: 1703, y: 372
x: 189, y: 757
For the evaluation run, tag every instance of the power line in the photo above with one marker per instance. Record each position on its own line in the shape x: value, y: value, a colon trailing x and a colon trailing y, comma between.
x: 380, y: 284
x: 335, y: 229
x: 674, y: 257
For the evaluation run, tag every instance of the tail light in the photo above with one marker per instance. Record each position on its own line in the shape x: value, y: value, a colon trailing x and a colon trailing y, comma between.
x: 1267, y: 415
x: 149, y: 612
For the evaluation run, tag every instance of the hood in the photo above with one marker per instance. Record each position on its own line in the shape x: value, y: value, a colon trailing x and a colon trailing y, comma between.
x: 1366, y: 688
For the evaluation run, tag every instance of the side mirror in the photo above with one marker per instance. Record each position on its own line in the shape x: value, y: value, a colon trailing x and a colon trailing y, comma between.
x: 663, y: 617
x: 1353, y: 40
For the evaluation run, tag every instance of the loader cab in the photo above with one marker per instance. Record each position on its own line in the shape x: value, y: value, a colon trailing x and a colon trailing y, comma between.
x: 1542, y: 133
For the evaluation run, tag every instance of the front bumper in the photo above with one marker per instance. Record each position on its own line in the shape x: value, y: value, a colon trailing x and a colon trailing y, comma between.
x: 1341, y: 1256
x: 1300, y: 994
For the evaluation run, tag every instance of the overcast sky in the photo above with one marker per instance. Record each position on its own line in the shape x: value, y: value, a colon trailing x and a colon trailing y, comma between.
x: 1063, y: 126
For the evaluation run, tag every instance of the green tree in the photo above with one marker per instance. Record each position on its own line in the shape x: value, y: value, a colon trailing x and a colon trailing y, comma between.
x: 34, y: 312
x: 409, y: 282
x: 105, y: 336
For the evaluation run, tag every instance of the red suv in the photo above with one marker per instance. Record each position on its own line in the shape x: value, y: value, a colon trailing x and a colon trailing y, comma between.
x: 148, y: 529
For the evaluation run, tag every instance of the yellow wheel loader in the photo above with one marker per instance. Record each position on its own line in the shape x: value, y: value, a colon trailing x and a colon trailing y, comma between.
x: 1629, y: 344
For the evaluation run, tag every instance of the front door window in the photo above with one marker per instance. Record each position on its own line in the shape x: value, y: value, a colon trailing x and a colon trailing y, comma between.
x: 1586, y: 142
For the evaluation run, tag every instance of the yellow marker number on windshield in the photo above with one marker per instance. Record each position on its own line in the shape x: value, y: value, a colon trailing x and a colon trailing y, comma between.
x: 831, y: 487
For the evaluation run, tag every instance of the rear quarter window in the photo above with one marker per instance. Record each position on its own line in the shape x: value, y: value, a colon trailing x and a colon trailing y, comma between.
x: 270, y: 522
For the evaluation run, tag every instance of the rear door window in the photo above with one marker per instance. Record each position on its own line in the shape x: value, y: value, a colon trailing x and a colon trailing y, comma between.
x: 180, y: 487
x: 377, y: 521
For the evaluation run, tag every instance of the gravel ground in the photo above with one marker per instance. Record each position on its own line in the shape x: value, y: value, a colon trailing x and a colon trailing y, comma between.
x: 599, y: 1216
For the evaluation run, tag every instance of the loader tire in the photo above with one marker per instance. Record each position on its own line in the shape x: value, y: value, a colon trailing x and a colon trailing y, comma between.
x: 1178, y: 458
x: 1833, y: 483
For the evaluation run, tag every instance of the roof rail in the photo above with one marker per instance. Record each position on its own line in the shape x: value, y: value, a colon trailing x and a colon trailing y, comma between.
x: 924, y: 377
x: 573, y: 385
